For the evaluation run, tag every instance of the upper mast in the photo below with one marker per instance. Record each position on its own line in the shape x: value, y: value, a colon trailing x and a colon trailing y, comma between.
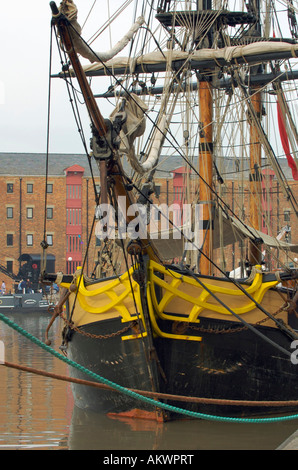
x: 206, y: 160
x: 255, y: 177
x: 206, y: 172
x: 206, y: 55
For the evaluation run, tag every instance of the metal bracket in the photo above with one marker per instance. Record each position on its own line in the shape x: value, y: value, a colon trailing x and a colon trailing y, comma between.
x: 117, y: 124
x: 102, y: 145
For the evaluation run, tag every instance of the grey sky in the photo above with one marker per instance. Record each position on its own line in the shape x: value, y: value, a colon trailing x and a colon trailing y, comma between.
x: 24, y: 70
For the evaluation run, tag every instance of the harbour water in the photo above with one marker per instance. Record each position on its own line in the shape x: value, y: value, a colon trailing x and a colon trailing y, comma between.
x: 38, y: 412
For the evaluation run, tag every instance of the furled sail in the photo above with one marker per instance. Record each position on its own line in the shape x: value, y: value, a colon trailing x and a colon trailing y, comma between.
x: 69, y: 9
x: 250, y: 53
x: 233, y: 231
x: 134, y: 126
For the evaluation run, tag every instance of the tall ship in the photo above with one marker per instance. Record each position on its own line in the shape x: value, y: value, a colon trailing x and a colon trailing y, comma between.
x: 209, y: 87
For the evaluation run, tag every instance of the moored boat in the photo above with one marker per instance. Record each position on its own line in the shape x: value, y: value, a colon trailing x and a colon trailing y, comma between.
x: 186, y: 329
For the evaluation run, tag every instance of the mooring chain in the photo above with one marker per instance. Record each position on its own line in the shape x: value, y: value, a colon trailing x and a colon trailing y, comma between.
x: 241, y: 328
x: 132, y: 325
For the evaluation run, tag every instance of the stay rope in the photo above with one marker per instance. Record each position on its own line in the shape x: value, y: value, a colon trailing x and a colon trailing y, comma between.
x: 137, y: 396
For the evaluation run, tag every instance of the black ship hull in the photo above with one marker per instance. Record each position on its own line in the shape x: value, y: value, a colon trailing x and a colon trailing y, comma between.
x: 229, y: 365
x: 124, y: 363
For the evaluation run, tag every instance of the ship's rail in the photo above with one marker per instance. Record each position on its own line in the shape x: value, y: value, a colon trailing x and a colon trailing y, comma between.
x: 170, y: 295
x: 187, y: 289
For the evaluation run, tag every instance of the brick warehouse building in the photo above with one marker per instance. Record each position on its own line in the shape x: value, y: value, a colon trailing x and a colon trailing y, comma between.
x: 69, y: 203
x: 66, y: 197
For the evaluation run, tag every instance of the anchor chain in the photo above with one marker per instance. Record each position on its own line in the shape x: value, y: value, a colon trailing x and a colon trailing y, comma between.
x: 132, y: 325
x: 241, y: 328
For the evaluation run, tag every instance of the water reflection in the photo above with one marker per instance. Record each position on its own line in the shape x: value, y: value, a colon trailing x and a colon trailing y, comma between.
x: 93, y: 431
x: 35, y: 411
x: 38, y: 412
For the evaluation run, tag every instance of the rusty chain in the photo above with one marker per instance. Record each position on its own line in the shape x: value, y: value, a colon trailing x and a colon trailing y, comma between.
x: 132, y: 325
x: 242, y: 328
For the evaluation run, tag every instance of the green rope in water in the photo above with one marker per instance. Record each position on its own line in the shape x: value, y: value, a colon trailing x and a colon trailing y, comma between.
x: 135, y: 395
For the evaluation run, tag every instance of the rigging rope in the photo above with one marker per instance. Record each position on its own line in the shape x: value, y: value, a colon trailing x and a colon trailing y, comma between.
x: 176, y: 148
x: 166, y: 138
x: 44, y: 243
x: 232, y: 280
x: 217, y: 196
x: 74, y: 105
x: 190, y: 164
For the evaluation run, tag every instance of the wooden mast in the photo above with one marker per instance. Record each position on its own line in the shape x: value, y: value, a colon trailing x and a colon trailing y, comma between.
x: 255, y: 177
x: 255, y: 180
x: 108, y: 167
x: 205, y: 170
x: 206, y: 158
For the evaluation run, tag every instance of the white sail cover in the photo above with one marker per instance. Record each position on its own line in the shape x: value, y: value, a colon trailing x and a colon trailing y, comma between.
x: 233, y: 232
x: 226, y: 54
x: 134, y: 126
x: 69, y: 9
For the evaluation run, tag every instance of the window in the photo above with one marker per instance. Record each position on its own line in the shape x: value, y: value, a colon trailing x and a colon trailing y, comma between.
x: 29, y: 240
x: 73, y: 191
x: 288, y: 237
x: 71, y: 266
x: 264, y: 224
x: 73, y: 243
x: 50, y: 240
x: 29, y: 212
x: 29, y: 188
x: 49, y: 188
x: 156, y: 214
x: 9, y: 212
x: 49, y: 212
x: 9, y: 266
x: 157, y: 189
x: 9, y: 239
x: 287, y: 216
x: 10, y: 187
x: 73, y: 216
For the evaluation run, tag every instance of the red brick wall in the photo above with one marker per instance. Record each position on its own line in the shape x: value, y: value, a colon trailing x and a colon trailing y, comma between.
x: 57, y: 225
x: 35, y: 226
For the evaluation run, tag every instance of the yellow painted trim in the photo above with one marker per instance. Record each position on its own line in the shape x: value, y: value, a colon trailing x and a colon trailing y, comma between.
x: 113, y: 301
x: 140, y: 335
x: 156, y: 328
x: 110, y: 300
x: 257, y: 290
